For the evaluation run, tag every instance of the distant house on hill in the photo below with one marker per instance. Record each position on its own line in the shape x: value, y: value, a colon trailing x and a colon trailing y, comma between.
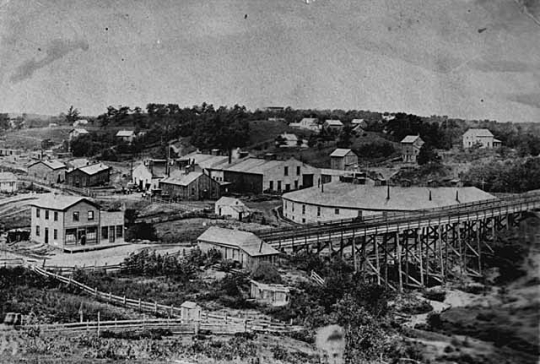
x: 288, y: 141
x: 343, y: 159
x: 77, y: 132
x: 52, y: 171
x: 190, y: 186
x: 240, y: 246
x: 307, y: 124
x: 125, y: 135
x: 8, y: 182
x: 233, y: 207
x: 359, y: 125
x: 335, y: 125
x: 89, y: 176
x: 272, y: 294
x: 410, y: 148
x: 482, y: 137
x: 80, y: 122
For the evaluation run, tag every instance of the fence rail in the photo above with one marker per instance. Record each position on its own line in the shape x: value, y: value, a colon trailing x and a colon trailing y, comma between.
x: 171, y: 311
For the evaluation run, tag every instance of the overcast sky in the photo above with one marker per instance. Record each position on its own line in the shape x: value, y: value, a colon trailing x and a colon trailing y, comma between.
x: 462, y: 58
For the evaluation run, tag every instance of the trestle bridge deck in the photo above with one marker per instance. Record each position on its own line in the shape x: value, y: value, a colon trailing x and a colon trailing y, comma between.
x: 412, y: 249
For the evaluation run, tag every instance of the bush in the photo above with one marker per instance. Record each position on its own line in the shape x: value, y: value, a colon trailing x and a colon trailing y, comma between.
x: 433, y: 295
x: 142, y: 231
x: 266, y: 273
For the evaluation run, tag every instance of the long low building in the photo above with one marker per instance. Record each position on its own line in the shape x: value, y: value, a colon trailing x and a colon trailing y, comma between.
x: 339, y: 200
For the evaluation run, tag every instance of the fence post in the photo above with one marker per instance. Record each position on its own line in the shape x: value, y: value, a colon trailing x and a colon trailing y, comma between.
x: 110, y: 299
x: 155, y: 307
x: 98, y: 318
x: 140, y: 308
x: 96, y: 292
x: 124, y: 301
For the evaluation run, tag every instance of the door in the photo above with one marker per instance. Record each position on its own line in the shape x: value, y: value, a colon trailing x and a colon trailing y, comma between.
x: 46, y: 235
x: 307, y: 180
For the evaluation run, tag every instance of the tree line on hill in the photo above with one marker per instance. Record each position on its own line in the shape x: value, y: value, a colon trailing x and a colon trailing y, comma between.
x: 226, y: 128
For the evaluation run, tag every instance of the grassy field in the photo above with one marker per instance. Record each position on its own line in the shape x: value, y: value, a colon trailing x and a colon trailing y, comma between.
x: 31, y: 138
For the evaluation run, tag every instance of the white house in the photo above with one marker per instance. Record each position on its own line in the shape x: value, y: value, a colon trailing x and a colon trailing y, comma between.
x: 291, y: 141
x: 333, y: 124
x: 241, y: 246
x: 8, y: 182
x: 149, y: 173
x: 273, y: 294
x: 307, y: 124
x: 77, y: 132
x: 481, y: 137
x: 233, y: 207
x: 126, y: 135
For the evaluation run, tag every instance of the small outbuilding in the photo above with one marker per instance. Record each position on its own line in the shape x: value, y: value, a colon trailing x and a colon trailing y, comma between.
x: 8, y: 182
x: 343, y: 159
x: 233, y: 207
x: 272, y: 294
x: 240, y: 246
x: 190, y: 311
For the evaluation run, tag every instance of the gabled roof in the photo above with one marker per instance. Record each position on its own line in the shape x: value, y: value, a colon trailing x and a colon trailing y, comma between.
x: 7, y: 177
x: 77, y: 163
x: 182, y: 179
x: 205, y: 161
x: 478, y: 133
x: 409, y: 139
x: 189, y: 304
x: 358, y: 121
x: 229, y: 201
x: 248, y: 242
x: 309, y: 120
x: 54, y: 164
x: 93, y: 169
x: 125, y: 133
x: 288, y: 136
x: 341, y: 152
x: 254, y: 165
x: 60, y: 202
x: 79, y: 130
x: 331, y: 122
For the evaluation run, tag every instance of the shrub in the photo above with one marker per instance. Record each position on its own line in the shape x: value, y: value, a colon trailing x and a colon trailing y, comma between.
x: 266, y: 273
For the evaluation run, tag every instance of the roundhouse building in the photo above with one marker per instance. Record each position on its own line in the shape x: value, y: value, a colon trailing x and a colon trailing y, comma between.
x: 339, y: 200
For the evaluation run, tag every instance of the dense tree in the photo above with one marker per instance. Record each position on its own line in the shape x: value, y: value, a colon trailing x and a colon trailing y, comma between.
x: 427, y: 155
x: 72, y: 115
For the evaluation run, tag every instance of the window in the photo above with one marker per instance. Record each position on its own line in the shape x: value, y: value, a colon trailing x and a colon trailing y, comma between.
x: 56, y: 216
x: 318, y: 211
x: 37, y: 230
x: 298, y: 170
x: 303, y: 221
x: 293, y: 207
x: 295, y: 185
x: 285, y: 171
x: 90, y: 215
x: 288, y: 187
x: 271, y: 185
x: 119, y: 231
x: 303, y: 209
x: 337, y: 211
x: 76, y: 216
x: 46, y: 214
x: 55, y: 234
x: 104, y: 232
x: 279, y: 185
x: 38, y: 212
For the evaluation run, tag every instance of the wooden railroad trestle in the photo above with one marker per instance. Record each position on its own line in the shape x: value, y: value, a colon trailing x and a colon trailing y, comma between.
x: 416, y: 253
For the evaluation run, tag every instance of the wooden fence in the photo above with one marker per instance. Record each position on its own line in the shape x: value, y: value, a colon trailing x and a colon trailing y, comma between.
x: 171, y: 311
